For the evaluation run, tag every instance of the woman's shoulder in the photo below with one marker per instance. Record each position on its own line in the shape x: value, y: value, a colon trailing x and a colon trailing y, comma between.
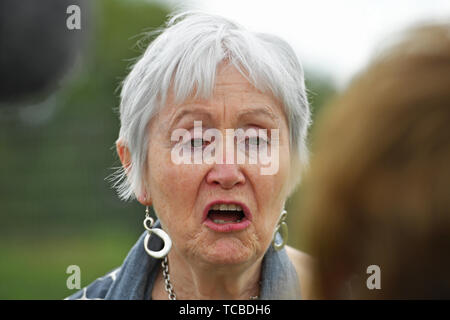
x: 304, y: 265
x: 96, y: 290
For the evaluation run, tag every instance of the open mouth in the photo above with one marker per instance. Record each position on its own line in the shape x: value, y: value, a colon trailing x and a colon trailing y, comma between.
x: 226, y: 213
x: 226, y: 216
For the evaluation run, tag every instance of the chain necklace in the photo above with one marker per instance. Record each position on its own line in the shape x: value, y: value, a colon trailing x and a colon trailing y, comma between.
x: 168, y: 285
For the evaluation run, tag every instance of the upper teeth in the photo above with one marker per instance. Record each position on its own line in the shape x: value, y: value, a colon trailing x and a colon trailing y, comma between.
x: 227, y: 207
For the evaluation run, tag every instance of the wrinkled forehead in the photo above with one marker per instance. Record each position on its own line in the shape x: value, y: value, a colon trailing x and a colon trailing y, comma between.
x: 229, y: 75
x: 232, y: 93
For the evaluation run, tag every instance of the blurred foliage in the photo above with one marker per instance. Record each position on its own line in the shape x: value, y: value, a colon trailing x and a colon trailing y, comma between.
x: 320, y: 90
x: 56, y: 208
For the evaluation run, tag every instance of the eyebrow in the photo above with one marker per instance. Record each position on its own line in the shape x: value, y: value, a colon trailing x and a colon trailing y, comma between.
x: 183, y: 112
x: 265, y: 110
x: 246, y: 112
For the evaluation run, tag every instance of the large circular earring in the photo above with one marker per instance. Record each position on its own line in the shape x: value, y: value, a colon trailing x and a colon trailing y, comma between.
x: 282, y: 229
x: 148, y: 225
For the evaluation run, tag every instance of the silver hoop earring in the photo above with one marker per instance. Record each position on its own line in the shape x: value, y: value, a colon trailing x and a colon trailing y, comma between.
x: 282, y: 229
x: 148, y: 225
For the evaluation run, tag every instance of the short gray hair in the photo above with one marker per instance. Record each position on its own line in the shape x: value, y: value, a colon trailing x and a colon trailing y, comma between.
x: 184, y: 58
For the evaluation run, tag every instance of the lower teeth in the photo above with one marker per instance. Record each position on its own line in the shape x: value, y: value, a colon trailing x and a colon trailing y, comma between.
x: 218, y: 221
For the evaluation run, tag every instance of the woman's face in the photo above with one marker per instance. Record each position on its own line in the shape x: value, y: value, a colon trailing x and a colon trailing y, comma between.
x: 183, y: 195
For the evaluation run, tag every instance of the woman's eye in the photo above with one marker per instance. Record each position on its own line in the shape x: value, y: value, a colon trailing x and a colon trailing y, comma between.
x: 199, y: 142
x: 255, y: 141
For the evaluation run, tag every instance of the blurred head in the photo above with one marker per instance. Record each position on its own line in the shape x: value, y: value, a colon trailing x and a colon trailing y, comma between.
x: 209, y: 69
x: 378, y: 189
x: 36, y: 65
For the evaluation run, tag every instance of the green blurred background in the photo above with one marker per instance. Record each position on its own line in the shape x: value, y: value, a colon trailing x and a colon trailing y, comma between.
x: 56, y: 207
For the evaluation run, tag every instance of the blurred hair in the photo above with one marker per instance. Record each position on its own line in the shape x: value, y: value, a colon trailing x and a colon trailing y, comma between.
x: 377, y: 192
x: 184, y: 58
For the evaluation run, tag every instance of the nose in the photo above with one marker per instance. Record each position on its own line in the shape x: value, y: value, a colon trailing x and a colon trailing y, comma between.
x: 225, y: 175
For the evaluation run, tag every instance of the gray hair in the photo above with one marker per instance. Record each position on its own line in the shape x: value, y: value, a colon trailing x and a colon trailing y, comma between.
x: 184, y: 58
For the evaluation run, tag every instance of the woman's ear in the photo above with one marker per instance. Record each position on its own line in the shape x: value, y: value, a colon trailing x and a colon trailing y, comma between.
x: 125, y: 158
x: 144, y: 199
x: 296, y: 172
x: 124, y: 154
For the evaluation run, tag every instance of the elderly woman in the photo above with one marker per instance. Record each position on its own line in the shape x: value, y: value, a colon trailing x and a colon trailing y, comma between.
x: 207, y: 90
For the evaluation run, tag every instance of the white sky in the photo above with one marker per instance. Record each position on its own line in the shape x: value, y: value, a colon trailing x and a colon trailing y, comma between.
x: 335, y: 37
